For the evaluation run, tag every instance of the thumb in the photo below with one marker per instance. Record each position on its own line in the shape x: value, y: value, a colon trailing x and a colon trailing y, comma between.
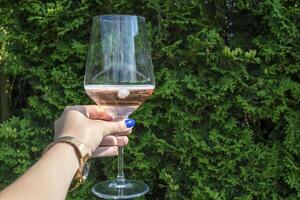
x: 111, y: 127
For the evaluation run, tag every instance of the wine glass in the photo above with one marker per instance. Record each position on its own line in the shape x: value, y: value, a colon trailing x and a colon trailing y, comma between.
x: 119, y: 77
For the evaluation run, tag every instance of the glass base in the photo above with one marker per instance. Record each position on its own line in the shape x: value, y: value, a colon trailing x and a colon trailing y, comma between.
x: 127, y: 189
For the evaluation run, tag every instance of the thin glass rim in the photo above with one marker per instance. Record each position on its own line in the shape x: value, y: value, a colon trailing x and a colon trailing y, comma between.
x: 139, y: 17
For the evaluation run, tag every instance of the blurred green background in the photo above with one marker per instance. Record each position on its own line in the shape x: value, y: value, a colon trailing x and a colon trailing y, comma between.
x: 223, y: 122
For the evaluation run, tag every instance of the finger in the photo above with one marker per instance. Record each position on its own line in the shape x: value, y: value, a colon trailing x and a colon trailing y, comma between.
x: 91, y: 111
x: 96, y: 112
x: 105, y: 152
x: 115, y: 127
x: 124, y: 133
x: 114, y: 141
x: 109, y: 140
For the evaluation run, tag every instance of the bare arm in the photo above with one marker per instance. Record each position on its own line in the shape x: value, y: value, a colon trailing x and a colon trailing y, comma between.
x: 51, y: 176
x: 48, y: 179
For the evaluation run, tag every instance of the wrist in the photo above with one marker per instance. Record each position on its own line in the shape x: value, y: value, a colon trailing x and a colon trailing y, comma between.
x: 81, y: 153
x: 68, y: 152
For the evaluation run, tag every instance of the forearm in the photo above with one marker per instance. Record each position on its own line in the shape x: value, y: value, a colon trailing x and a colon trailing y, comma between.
x: 49, y: 178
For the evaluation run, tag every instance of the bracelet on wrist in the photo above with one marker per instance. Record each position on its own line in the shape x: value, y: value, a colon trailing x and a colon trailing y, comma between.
x: 83, y: 154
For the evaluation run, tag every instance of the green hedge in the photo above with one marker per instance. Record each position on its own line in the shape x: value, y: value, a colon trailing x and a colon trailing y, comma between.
x: 223, y: 122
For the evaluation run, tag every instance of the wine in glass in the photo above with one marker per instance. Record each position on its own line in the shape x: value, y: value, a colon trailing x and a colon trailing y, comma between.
x: 119, y: 77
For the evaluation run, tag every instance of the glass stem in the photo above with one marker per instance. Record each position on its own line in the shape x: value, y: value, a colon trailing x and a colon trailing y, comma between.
x: 120, y: 177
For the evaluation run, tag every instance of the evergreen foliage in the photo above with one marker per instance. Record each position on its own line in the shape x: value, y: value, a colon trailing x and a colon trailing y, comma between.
x: 223, y: 122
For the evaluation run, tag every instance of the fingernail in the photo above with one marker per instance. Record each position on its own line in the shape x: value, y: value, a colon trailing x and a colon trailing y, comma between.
x: 129, y: 123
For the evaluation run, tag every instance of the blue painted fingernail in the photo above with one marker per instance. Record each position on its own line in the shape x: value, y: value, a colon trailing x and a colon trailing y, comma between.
x: 129, y: 123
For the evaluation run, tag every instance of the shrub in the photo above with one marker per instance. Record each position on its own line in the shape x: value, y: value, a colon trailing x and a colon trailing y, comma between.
x: 223, y: 122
